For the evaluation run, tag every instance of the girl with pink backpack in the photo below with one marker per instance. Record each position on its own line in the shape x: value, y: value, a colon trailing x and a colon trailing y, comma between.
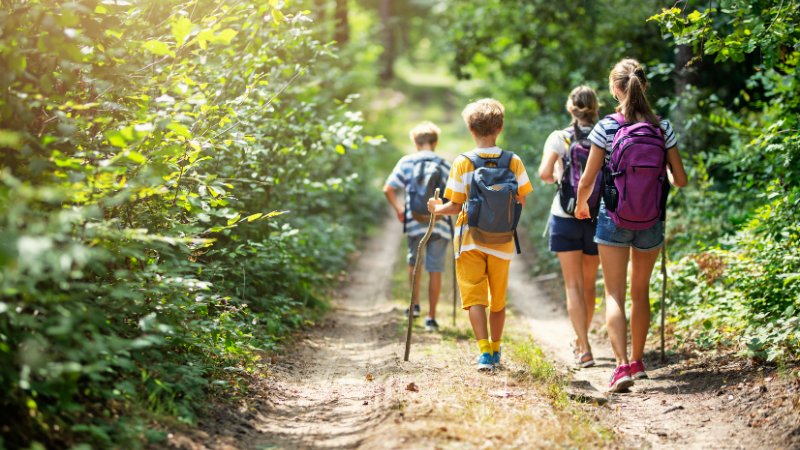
x: 564, y: 159
x: 638, y: 155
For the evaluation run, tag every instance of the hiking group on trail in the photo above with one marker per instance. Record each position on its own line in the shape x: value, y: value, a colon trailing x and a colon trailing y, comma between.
x: 614, y: 176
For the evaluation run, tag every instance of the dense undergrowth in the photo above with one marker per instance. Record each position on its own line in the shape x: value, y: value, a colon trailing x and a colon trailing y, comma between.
x: 181, y: 182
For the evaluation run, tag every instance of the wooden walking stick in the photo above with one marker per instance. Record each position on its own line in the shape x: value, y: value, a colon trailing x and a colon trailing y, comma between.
x: 415, y: 274
x: 455, y: 284
x: 663, y: 295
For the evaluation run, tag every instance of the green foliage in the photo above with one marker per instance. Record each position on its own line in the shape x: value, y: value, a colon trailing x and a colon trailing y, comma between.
x: 747, y: 295
x: 178, y: 189
x: 742, y: 290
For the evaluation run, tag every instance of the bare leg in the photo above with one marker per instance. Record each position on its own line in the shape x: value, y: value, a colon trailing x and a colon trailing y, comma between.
x: 590, y: 264
x: 572, y: 269
x: 477, y: 317
x: 615, y: 271
x: 497, y: 321
x: 643, y: 263
x: 434, y: 288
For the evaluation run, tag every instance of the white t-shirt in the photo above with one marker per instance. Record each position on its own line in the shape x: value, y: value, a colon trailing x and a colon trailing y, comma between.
x: 558, y: 143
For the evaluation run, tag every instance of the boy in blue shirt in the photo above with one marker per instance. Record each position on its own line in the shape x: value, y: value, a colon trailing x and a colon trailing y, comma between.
x: 425, y: 137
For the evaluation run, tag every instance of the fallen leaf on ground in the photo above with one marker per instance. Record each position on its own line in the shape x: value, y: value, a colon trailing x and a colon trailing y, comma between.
x: 505, y: 393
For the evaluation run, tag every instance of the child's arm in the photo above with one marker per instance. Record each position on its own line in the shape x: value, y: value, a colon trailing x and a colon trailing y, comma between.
x: 676, y: 173
x: 547, y: 167
x: 391, y: 196
x: 435, y: 206
x: 586, y: 184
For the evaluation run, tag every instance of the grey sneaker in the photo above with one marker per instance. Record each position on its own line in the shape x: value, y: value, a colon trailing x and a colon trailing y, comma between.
x: 431, y: 325
x: 416, y: 311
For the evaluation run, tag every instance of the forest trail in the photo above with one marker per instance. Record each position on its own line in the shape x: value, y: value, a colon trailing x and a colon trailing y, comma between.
x: 344, y: 384
x: 320, y: 394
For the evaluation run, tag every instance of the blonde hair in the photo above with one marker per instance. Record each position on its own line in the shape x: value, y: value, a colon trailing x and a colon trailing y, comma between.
x: 582, y: 105
x: 425, y: 133
x: 484, y: 117
x: 628, y: 76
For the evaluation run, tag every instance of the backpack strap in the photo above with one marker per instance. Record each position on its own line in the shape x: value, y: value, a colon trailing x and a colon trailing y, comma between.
x: 505, y: 159
x: 617, y: 117
x: 405, y: 216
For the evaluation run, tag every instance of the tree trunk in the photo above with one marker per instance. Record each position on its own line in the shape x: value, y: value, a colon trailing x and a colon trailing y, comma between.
x: 685, y: 75
x: 342, y: 34
x: 389, y: 52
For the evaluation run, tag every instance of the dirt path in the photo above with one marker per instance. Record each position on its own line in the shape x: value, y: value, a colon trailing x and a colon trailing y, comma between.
x: 322, y: 394
x: 708, y: 403
x: 345, y: 384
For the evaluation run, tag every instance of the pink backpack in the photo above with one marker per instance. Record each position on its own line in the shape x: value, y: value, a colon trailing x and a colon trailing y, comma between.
x: 636, y: 175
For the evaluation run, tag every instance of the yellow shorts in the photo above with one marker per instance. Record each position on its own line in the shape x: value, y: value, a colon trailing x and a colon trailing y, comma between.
x: 482, y: 280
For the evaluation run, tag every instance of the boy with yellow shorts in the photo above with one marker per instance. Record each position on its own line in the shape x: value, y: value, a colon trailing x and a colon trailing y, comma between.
x: 482, y: 262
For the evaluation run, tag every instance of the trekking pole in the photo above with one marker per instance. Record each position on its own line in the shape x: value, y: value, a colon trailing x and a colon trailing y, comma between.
x: 663, y: 295
x: 415, y: 274
x: 455, y: 284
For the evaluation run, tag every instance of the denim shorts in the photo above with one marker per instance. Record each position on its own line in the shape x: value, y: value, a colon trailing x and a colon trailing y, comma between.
x: 569, y: 235
x: 608, y: 233
x: 434, y: 252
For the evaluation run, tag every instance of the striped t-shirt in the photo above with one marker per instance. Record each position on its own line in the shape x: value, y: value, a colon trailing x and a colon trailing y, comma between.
x: 458, y: 192
x: 400, y: 179
x: 603, y: 134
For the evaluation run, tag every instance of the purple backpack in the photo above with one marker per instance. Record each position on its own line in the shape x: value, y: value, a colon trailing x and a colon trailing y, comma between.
x: 574, y: 163
x: 635, y: 175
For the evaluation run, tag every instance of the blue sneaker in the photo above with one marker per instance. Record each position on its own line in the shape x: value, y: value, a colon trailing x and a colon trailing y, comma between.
x: 485, y: 361
x: 496, y: 358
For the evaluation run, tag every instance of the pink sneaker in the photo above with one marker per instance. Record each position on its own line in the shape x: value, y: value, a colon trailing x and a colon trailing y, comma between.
x: 637, y: 370
x: 621, y: 379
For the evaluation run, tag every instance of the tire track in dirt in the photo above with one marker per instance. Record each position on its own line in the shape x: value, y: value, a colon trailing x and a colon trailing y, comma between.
x: 662, y: 412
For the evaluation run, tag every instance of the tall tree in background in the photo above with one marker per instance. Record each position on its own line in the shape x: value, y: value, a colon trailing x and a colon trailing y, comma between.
x: 388, y: 33
x: 342, y: 33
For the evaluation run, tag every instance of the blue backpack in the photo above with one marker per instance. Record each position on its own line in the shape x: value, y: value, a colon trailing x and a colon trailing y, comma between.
x: 427, y: 175
x: 492, y: 208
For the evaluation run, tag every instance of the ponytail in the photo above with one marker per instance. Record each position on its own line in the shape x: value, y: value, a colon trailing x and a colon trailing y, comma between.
x: 628, y: 76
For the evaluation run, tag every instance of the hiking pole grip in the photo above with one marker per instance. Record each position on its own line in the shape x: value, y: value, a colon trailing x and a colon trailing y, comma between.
x: 415, y: 275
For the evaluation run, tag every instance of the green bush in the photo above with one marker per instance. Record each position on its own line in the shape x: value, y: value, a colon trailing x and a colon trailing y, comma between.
x: 747, y: 295
x: 178, y: 191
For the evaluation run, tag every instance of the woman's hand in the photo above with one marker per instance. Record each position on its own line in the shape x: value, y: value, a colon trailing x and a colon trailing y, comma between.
x: 582, y: 211
x: 432, y: 204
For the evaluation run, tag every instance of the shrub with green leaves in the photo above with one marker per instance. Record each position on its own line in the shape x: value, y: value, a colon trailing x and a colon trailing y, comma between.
x: 178, y: 190
x: 741, y: 282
